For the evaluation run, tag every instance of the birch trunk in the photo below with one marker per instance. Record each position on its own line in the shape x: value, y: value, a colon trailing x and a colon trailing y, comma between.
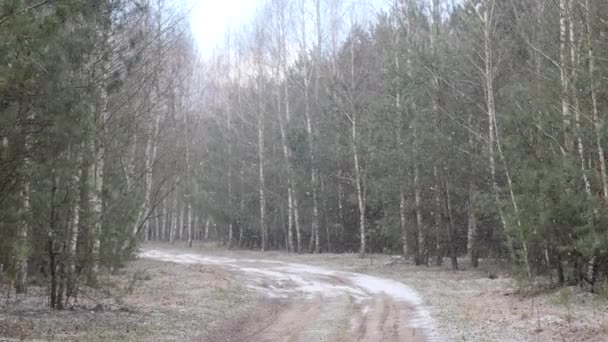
x: 574, y: 66
x: 206, y: 236
x: 286, y: 156
x: 260, y: 36
x: 358, y: 186
x: 74, y: 226
x: 163, y: 227
x: 597, y: 125
x: 451, y: 248
x: 490, y: 110
x: 97, y: 175
x: 472, y: 219
x: 310, y: 132
x: 187, y: 218
x: 439, y: 218
x: 357, y: 168
x: 494, y: 140
x: 181, y: 225
x: 435, y: 110
x: 340, y: 206
x: 21, y: 243
x: 189, y: 224
x: 402, y: 213
x: 173, y: 226
x: 296, y: 223
x: 143, y: 212
x: 195, y: 229
x: 229, y: 175
x: 595, y: 113
x: 285, y: 118
x: 565, y: 100
x: 420, y: 243
x: 261, y: 185
x: 290, y: 220
x: 472, y: 228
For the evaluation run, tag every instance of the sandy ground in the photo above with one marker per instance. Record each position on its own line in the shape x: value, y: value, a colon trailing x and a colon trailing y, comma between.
x: 313, y: 303
x: 465, y: 305
x: 210, y: 294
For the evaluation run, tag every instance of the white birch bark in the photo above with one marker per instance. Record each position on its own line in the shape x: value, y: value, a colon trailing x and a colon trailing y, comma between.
x: 355, y: 154
x: 195, y: 228
x: 74, y: 226
x: 173, y: 226
x: 207, y: 222
x: 493, y: 139
x: 163, y: 228
x: 565, y: 100
x: 189, y: 224
x: 284, y: 119
x: 596, y: 118
x: 23, y: 227
x: 471, y: 225
x: 399, y: 112
x: 260, y: 138
x: 97, y: 173
x: 296, y: 223
x: 574, y: 66
x: 143, y: 212
x: 180, y: 222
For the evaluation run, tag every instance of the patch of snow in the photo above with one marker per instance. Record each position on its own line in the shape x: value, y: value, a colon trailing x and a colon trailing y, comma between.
x: 401, y: 292
x: 276, y: 279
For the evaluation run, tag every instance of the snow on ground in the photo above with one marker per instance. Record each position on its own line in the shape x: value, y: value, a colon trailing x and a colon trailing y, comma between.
x: 276, y: 279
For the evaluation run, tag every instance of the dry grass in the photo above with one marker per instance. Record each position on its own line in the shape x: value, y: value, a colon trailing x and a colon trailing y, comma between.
x: 469, y: 306
x: 147, y: 301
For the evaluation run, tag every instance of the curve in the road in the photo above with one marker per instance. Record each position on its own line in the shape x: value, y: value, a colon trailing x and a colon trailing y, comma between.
x: 320, y: 304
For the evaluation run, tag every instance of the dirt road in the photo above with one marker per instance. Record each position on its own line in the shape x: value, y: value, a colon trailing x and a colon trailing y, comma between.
x: 307, y: 303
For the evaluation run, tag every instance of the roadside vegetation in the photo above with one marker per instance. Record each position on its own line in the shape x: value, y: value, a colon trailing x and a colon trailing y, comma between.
x: 438, y: 130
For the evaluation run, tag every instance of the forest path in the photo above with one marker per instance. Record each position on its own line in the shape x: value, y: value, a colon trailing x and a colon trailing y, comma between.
x: 309, y: 303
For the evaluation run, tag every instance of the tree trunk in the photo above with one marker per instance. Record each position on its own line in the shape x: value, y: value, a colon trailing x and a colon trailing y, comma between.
x: 96, y: 171
x: 74, y: 226
x: 494, y: 142
x: 189, y: 224
x: 451, y: 246
x: 163, y: 227
x: 173, y: 226
x: 21, y: 243
x: 296, y: 223
x: 472, y: 228
x: 229, y: 175
x: 565, y: 100
x: 595, y: 113
x: 439, y: 217
x: 195, y: 229
x: 420, y: 245
x: 314, y: 173
x: 261, y: 185
x: 290, y: 211
x: 340, y: 217
x: 144, y: 210
x: 359, y: 188
x: 597, y: 126
x: 206, y: 236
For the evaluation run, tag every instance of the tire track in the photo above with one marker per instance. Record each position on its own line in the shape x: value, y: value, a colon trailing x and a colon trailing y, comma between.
x: 318, y: 304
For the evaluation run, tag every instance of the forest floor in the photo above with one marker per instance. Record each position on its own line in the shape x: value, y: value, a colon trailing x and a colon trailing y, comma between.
x: 211, y: 294
x: 482, y: 304
x: 146, y: 301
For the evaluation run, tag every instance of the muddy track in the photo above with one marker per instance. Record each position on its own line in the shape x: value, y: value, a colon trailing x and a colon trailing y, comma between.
x: 305, y: 303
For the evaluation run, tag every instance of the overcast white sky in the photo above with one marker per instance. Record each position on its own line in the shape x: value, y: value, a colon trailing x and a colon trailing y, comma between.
x: 210, y: 20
